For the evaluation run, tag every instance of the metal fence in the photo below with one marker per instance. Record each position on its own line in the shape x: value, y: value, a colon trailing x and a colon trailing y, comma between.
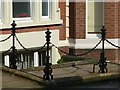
x: 21, y: 60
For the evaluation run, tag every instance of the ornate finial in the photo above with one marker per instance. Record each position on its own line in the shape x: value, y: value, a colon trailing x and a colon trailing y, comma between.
x: 103, y: 28
x: 48, y: 29
x: 13, y: 24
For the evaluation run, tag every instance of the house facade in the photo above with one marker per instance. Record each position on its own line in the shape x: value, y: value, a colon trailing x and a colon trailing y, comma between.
x: 75, y: 27
x: 86, y: 20
x: 33, y: 17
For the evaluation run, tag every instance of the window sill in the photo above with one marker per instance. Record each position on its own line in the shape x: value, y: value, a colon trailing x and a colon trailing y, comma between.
x: 22, y: 20
x: 93, y: 35
x: 94, y: 32
x: 31, y: 23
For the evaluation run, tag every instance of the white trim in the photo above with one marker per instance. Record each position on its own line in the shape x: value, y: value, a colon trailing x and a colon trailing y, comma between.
x: 35, y: 20
x: 49, y: 10
x: 87, y: 34
x: 32, y: 23
x: 36, y: 59
x: 63, y: 43
x: 94, y: 36
x: 90, y: 43
x: 22, y: 19
x: 7, y: 62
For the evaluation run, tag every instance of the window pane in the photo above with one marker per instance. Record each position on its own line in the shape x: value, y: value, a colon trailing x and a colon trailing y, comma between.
x: 21, y: 9
x: 45, y: 8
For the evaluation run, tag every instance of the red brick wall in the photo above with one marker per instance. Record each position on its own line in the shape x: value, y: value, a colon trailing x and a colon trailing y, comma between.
x: 62, y: 6
x: 111, y: 16
x: 65, y: 49
x: 119, y: 20
x: 30, y: 29
x: 111, y: 54
x: 72, y: 20
x: 80, y: 20
x: 77, y: 12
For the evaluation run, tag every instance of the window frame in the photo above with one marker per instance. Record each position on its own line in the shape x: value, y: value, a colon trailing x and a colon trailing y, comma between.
x: 92, y: 34
x: 36, y: 15
x: 24, y: 18
x: 49, y: 10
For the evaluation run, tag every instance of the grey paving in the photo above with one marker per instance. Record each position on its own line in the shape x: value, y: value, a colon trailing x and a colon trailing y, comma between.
x: 84, y: 71
x: 13, y: 81
x: 78, y: 70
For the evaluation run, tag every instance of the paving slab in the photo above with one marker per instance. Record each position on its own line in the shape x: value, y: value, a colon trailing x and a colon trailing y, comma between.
x: 78, y: 70
x: 12, y: 81
x: 63, y: 75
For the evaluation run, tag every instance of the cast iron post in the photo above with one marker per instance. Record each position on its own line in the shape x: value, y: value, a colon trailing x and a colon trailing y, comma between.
x: 47, y: 70
x: 13, y: 59
x: 102, y: 62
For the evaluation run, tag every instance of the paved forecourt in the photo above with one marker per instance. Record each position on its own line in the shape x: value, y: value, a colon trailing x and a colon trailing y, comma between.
x: 64, y: 74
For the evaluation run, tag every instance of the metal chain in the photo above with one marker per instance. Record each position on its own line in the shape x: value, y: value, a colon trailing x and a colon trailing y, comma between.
x: 90, y: 50
x: 59, y: 49
x: 26, y: 48
x: 7, y: 51
x: 41, y: 47
x: 22, y: 44
x: 78, y: 54
x: 112, y: 44
x: 6, y: 38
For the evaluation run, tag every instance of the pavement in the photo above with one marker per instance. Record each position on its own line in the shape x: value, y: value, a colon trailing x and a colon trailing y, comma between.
x: 64, y: 75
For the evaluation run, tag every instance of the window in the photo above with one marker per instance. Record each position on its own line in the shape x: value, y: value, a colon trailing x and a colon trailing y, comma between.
x: 95, y: 16
x: 22, y: 9
x: 35, y: 12
x: 46, y: 8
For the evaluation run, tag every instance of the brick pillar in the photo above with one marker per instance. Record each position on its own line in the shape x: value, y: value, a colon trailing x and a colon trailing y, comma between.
x: 62, y: 6
x: 72, y: 26
x: 119, y: 19
x: 111, y: 16
x: 77, y: 15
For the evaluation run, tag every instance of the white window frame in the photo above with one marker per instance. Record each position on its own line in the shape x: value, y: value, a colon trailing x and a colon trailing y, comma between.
x: 24, y: 19
x: 49, y: 10
x: 87, y: 34
x: 36, y: 14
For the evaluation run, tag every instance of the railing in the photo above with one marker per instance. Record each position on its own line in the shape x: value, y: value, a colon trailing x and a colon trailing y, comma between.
x: 48, y: 70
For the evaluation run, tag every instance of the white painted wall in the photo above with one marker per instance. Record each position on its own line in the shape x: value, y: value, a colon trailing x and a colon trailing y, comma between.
x: 35, y: 39
x: 89, y: 43
x: 30, y: 39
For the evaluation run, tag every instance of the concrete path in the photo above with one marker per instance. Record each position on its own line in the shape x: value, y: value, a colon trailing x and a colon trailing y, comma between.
x: 78, y: 70
x: 63, y: 76
x: 13, y: 81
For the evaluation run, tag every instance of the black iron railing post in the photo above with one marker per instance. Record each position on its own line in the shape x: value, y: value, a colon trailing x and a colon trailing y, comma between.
x: 13, y: 59
x: 47, y: 70
x: 102, y: 62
